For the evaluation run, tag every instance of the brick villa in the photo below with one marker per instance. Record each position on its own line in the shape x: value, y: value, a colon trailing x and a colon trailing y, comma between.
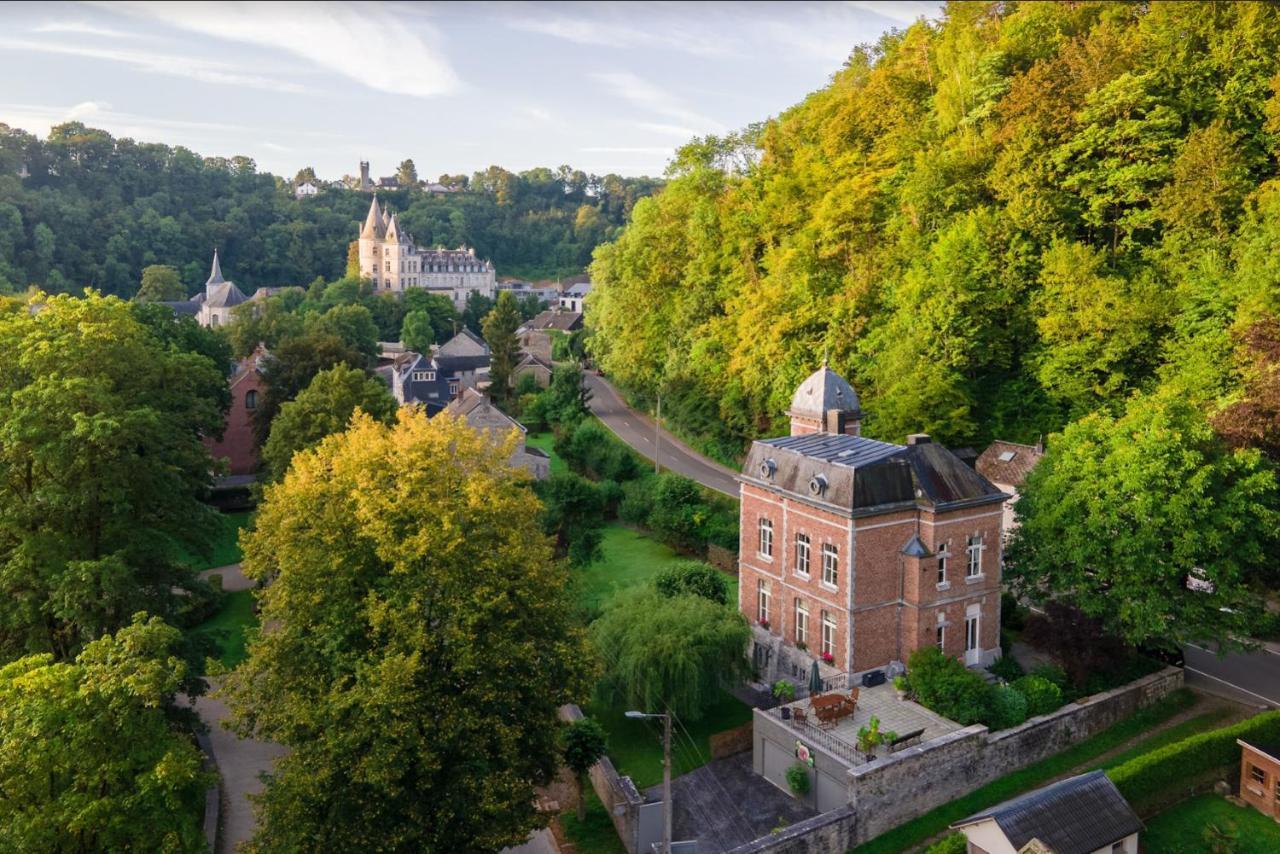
x: 856, y: 552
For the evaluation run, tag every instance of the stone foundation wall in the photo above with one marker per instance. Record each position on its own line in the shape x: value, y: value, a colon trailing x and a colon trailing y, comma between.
x: 897, y: 788
x: 830, y: 832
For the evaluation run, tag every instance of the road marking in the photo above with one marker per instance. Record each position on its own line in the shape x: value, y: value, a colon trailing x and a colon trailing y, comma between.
x: 1233, y: 685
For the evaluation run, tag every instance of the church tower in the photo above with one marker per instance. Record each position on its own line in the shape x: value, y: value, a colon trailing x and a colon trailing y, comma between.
x: 825, y: 403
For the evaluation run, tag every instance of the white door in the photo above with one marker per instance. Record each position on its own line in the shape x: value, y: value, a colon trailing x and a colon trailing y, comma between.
x: 972, y: 649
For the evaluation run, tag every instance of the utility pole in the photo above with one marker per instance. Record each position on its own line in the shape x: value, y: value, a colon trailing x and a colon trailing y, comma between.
x: 666, y: 784
x: 657, y: 438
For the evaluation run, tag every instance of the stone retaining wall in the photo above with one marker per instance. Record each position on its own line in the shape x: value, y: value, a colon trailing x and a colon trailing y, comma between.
x: 830, y: 832
x: 892, y: 790
x: 731, y: 741
x: 618, y: 794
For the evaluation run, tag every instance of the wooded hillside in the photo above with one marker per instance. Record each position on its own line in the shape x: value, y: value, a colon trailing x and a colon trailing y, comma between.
x: 993, y: 225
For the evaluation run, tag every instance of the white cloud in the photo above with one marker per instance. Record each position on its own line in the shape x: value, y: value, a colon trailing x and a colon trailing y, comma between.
x: 623, y: 31
x: 641, y: 93
x: 87, y: 109
x: 83, y: 28
x: 364, y: 42
x: 206, y: 71
x: 541, y: 114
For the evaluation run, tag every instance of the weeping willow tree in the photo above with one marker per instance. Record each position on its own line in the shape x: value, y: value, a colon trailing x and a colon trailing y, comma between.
x: 669, y: 652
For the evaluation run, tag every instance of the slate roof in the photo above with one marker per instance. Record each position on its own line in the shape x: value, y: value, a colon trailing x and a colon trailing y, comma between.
x: 824, y: 390
x: 226, y: 295
x: 185, y: 306
x: 1009, y: 462
x: 534, y: 360
x: 1073, y: 816
x: 863, y: 475
x: 480, y: 412
x: 565, y: 321
x: 581, y: 289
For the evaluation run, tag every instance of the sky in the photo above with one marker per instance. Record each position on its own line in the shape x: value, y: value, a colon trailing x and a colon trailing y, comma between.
x: 457, y: 87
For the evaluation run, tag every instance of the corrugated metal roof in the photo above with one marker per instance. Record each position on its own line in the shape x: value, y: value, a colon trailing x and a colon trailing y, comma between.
x: 836, y: 447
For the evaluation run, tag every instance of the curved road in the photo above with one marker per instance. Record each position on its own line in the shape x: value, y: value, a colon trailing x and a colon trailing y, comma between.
x: 638, y: 430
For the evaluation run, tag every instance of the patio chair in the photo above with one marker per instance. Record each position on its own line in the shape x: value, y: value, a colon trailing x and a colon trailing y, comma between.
x: 853, y: 697
x: 799, y: 716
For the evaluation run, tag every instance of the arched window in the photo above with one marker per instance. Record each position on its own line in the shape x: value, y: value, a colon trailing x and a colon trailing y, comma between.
x: 251, y: 399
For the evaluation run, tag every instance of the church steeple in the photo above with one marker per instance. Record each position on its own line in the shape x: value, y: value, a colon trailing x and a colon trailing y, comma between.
x: 215, y: 274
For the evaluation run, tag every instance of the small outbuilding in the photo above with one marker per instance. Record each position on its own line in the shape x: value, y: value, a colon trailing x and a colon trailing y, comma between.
x: 1260, y: 777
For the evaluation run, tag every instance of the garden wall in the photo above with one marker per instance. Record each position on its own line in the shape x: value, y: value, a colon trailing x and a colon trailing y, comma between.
x: 822, y: 834
x: 618, y: 794
x: 731, y: 741
x: 897, y: 788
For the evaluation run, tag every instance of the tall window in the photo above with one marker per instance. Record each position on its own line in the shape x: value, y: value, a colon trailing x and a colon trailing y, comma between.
x: 943, y: 554
x: 766, y: 538
x: 830, y: 565
x: 975, y: 555
x: 828, y: 635
x: 251, y: 399
x: 763, y: 595
x: 802, y: 622
x: 942, y: 638
x: 802, y: 554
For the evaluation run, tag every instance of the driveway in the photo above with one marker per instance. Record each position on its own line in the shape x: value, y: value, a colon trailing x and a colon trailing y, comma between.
x: 639, y: 431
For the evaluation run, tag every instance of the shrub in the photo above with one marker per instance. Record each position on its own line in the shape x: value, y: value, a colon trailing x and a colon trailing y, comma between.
x: 678, y: 512
x: 798, y: 780
x: 784, y: 690
x: 1008, y: 707
x: 1051, y: 672
x: 956, y: 843
x: 943, y: 684
x: 1042, y: 695
x: 637, y: 501
x: 1075, y: 640
x: 611, y: 495
x: 693, y: 577
x: 1007, y: 668
x: 592, y: 450
x: 1012, y: 614
x: 1162, y: 771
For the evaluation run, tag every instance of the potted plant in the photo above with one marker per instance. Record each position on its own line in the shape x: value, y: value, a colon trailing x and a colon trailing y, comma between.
x: 901, y: 685
x: 828, y: 658
x: 764, y: 624
x: 784, y: 690
x: 801, y: 645
x: 870, y: 737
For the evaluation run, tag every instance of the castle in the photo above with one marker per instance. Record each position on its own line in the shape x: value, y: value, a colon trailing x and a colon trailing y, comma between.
x: 856, y: 552
x: 389, y: 258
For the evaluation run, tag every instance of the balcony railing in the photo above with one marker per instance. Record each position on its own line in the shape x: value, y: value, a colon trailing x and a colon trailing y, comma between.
x: 822, y: 739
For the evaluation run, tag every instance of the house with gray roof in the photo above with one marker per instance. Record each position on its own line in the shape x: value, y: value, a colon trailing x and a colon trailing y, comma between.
x: 481, y: 415
x: 1007, y: 464
x: 418, y: 379
x: 1080, y: 815
x: 573, y: 297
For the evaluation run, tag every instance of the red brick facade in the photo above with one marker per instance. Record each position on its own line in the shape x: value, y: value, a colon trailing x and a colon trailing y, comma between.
x: 238, y: 447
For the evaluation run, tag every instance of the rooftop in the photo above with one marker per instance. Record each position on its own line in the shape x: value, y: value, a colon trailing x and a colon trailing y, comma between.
x: 1009, y: 462
x: 823, y: 391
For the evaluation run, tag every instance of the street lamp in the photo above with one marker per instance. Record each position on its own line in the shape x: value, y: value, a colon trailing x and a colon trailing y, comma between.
x: 666, y: 774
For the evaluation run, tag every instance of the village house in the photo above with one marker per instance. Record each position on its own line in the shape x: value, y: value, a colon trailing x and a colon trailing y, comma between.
x: 1080, y: 815
x: 482, y: 415
x: 574, y: 296
x: 535, y: 366
x: 216, y: 305
x: 536, y: 332
x: 434, y: 379
x: 305, y: 190
x: 1007, y: 464
x: 238, y: 446
x: 854, y: 552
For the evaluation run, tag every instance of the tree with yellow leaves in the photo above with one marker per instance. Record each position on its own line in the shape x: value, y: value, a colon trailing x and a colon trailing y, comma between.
x: 416, y: 645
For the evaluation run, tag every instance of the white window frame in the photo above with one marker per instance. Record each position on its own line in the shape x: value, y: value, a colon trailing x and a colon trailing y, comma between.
x: 828, y: 635
x: 765, y: 545
x: 941, y: 637
x: 803, y: 551
x: 943, y: 556
x: 830, y: 565
x: 976, y: 548
x: 802, y: 622
x: 762, y: 600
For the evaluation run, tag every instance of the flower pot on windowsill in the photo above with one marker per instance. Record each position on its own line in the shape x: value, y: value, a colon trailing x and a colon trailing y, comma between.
x: 764, y: 624
x: 828, y: 658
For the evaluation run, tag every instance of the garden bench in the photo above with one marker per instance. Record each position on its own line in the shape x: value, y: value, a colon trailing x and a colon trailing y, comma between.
x: 902, y: 740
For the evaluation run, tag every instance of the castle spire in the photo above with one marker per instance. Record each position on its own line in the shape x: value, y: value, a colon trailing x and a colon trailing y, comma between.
x: 373, y: 222
x: 393, y: 230
x: 215, y: 274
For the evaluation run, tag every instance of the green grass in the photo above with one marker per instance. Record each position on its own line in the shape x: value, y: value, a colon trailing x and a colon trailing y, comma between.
x: 938, y: 819
x: 1181, y: 830
x: 545, y: 442
x: 1186, y: 729
x: 597, y: 834
x: 229, y: 625
x: 628, y: 558
x: 636, y: 746
x: 226, y: 547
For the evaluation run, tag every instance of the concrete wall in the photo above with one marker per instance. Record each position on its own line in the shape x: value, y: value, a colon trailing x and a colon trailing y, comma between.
x: 897, y: 788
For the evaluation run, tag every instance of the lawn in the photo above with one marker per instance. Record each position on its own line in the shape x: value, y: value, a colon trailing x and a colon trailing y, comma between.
x: 636, y: 746
x: 628, y: 558
x: 597, y: 834
x: 226, y: 547
x: 228, y: 626
x: 545, y: 442
x: 1181, y: 830
x: 937, y: 820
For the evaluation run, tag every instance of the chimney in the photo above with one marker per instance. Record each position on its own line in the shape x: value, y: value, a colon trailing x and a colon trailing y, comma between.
x: 918, y: 439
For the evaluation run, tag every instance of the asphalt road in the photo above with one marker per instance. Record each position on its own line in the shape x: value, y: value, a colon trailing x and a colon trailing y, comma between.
x: 638, y: 431
x: 1252, y: 678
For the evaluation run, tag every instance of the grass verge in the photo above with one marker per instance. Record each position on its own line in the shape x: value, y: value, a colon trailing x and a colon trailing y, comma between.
x: 597, y: 834
x: 226, y: 546
x: 1183, y: 829
x: 937, y: 820
x: 228, y: 625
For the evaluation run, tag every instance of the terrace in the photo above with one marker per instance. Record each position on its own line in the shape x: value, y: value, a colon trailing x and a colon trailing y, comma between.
x: 840, y: 738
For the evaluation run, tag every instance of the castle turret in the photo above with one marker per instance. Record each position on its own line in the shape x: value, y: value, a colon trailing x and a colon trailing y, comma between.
x: 825, y: 403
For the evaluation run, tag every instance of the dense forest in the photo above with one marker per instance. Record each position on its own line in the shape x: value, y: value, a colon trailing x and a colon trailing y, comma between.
x: 94, y: 211
x: 993, y: 225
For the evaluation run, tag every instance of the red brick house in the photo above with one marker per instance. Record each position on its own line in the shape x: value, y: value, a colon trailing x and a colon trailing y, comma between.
x: 238, y: 445
x: 856, y: 552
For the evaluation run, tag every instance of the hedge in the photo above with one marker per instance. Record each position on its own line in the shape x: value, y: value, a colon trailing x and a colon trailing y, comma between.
x: 1145, y: 778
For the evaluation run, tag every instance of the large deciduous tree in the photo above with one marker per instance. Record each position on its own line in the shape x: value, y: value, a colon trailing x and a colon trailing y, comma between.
x: 91, y: 761
x: 1123, y: 512
x: 416, y: 333
x: 101, y: 470
x: 417, y: 646
x: 1254, y: 419
x: 290, y: 368
x: 322, y: 408
x: 160, y: 282
x: 500, y: 327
